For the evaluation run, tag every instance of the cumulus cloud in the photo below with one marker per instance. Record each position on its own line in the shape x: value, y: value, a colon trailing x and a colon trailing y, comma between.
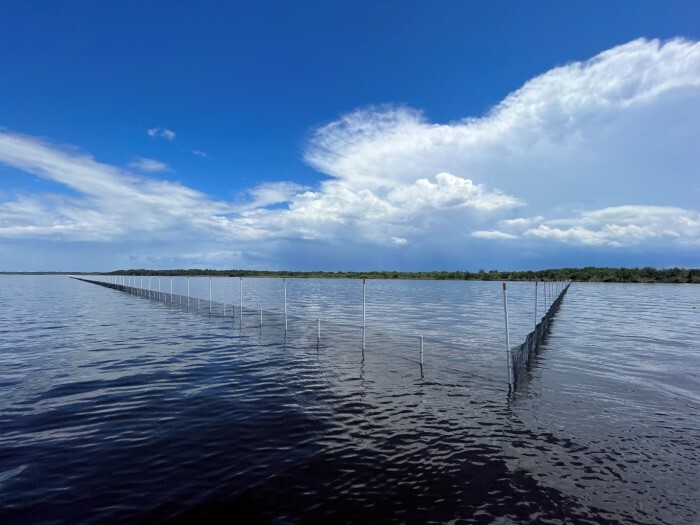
x: 148, y: 165
x: 623, y: 226
x: 198, y: 153
x: 590, y: 154
x: 555, y: 139
x: 164, y: 133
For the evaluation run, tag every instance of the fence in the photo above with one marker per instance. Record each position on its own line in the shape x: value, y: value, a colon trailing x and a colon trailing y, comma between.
x: 317, y: 325
x: 518, y: 356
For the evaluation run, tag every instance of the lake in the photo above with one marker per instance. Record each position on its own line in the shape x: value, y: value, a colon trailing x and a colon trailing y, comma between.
x: 116, y: 408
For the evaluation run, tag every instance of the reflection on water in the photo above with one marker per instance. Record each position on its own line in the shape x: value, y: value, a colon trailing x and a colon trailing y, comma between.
x: 120, y: 409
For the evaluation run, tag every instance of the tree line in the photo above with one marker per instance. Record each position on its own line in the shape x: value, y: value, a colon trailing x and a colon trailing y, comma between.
x: 587, y: 274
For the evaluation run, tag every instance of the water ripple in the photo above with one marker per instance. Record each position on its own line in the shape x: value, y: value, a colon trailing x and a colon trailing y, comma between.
x: 118, y: 409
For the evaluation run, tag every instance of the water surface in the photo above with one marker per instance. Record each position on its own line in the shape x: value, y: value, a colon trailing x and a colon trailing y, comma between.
x: 116, y: 408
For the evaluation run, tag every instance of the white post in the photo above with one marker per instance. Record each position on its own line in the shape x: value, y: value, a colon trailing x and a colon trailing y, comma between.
x: 318, y: 333
x: 188, y: 292
x: 364, y: 310
x: 261, y: 318
x: 285, y: 305
x: 210, y: 295
x: 171, y: 289
x: 421, y: 350
x: 197, y: 304
x: 224, y: 314
x: 544, y: 285
x: 159, y: 287
x: 510, y: 361
x: 535, y: 305
x: 241, y: 313
x: 149, y: 286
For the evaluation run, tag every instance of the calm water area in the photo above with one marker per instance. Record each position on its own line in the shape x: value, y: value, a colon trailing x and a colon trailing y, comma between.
x: 116, y: 408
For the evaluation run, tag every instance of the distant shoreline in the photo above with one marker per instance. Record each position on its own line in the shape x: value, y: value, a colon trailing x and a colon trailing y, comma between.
x: 587, y: 274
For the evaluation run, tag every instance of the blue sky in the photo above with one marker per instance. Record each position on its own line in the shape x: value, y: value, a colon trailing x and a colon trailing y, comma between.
x: 349, y: 135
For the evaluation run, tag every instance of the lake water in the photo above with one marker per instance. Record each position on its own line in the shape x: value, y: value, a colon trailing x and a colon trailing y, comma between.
x: 118, y: 408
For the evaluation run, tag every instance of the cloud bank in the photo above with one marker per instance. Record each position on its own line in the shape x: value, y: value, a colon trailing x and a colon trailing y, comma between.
x: 600, y: 154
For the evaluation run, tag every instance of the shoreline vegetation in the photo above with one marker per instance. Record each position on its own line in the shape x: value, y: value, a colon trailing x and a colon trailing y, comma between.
x: 587, y: 274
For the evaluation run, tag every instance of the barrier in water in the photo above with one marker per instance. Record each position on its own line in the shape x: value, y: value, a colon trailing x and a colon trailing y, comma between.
x: 517, y: 356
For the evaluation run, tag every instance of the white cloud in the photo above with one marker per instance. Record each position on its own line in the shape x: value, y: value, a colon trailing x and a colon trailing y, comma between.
x: 199, y: 153
x: 148, y: 165
x: 493, y: 234
x: 520, y: 223
x: 269, y: 193
x: 559, y: 159
x: 624, y: 226
x: 110, y: 202
x: 617, y: 119
x: 164, y: 133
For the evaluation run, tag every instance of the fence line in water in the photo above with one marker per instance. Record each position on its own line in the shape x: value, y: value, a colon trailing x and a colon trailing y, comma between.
x: 517, y: 356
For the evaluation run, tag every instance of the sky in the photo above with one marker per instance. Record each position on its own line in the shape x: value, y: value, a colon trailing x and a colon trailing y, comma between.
x: 363, y: 135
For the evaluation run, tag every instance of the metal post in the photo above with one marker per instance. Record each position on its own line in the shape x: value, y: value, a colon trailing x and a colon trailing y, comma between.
x: 159, y: 287
x: 285, y: 304
x: 224, y: 314
x: 149, y: 286
x: 544, y: 285
x: 535, y: 306
x: 261, y: 318
x: 188, y: 292
x: 364, y: 310
x: 510, y: 361
x: 241, y: 313
x: 171, y: 289
x: 210, y: 295
x: 318, y: 334
x: 421, y: 350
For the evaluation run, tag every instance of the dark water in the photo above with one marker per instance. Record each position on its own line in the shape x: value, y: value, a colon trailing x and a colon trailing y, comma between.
x: 115, y: 408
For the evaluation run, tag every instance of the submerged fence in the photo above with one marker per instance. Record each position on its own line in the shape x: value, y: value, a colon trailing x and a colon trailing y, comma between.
x: 241, y: 315
x: 518, y: 356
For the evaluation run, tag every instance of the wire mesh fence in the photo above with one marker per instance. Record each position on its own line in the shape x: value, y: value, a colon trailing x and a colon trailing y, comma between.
x: 470, y: 354
x: 519, y: 355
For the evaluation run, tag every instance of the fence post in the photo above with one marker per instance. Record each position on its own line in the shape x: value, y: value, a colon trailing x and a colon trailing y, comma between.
x: 510, y: 361
x: 364, y: 310
x: 544, y: 286
x: 285, y: 305
x: 535, y: 304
